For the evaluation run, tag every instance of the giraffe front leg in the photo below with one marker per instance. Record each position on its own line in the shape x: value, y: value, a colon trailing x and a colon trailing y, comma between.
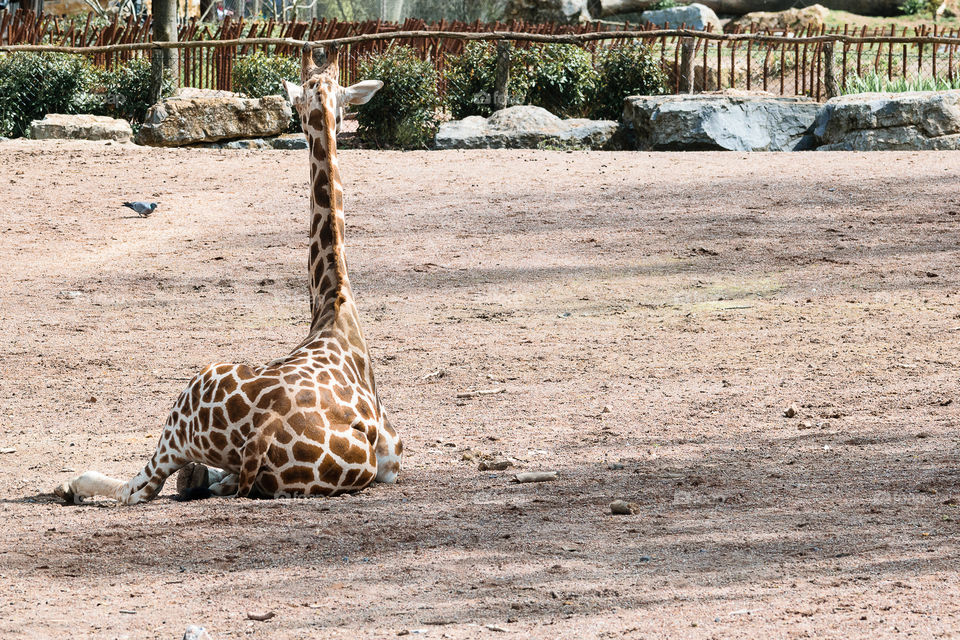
x: 88, y: 485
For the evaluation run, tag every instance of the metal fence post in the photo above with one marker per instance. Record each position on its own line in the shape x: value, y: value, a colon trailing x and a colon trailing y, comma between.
x: 829, y: 72
x: 501, y: 85
x: 686, y: 66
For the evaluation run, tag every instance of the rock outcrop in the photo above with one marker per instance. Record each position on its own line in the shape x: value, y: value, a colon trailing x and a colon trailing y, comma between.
x: 890, y: 121
x: 790, y: 20
x: 80, y: 127
x: 728, y: 120
x: 526, y: 127
x: 178, y: 122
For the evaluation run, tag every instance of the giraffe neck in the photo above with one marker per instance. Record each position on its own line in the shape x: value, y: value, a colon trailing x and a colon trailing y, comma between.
x: 331, y: 301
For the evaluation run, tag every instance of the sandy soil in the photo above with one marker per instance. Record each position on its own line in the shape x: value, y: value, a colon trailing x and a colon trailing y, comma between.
x: 696, y: 296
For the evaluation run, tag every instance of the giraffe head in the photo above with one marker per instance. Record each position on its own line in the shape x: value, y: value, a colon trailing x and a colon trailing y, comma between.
x: 321, y: 94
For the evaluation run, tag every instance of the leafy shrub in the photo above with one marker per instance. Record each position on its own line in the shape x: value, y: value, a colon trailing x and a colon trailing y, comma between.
x: 259, y: 74
x: 662, y: 4
x: 471, y: 79
x: 563, y: 79
x: 403, y: 114
x: 125, y: 91
x: 35, y: 84
x: 629, y: 70
x: 913, y: 7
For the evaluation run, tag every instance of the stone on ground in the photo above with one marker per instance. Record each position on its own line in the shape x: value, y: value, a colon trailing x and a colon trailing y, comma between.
x: 80, y: 127
x: 919, y: 120
x: 195, y: 632
x: 728, y: 120
x: 693, y: 16
x: 525, y: 127
x: 789, y: 20
x: 544, y: 11
x: 183, y: 121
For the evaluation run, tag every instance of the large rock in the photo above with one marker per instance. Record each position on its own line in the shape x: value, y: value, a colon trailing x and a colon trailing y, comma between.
x: 694, y: 16
x: 728, y: 120
x: 182, y: 121
x: 525, y: 127
x: 80, y: 127
x: 542, y: 11
x: 889, y: 121
x: 790, y: 20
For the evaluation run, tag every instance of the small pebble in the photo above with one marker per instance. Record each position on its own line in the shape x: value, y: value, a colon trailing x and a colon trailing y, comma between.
x: 790, y: 411
x: 195, y: 632
x: 260, y: 616
x: 806, y: 424
x: 535, y: 476
x: 623, y: 508
x: 494, y: 465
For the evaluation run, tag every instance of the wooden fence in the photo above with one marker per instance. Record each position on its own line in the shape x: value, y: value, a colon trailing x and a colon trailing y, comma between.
x: 781, y: 63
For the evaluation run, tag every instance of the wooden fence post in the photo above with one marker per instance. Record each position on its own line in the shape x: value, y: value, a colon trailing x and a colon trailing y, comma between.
x: 829, y: 72
x: 686, y: 66
x: 501, y: 84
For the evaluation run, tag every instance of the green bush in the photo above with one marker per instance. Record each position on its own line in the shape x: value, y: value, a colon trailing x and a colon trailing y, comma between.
x: 125, y: 91
x: 35, y: 84
x: 629, y: 70
x: 259, y: 74
x: 563, y: 79
x: 914, y: 7
x: 471, y: 78
x: 403, y: 114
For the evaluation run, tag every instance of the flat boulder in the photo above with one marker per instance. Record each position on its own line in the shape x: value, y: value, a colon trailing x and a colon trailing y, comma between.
x: 184, y: 121
x: 726, y: 120
x: 80, y: 127
x: 794, y: 20
x: 526, y: 127
x: 694, y: 16
x: 916, y: 120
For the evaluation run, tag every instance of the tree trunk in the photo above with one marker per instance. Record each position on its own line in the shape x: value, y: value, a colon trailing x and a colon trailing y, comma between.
x: 607, y: 8
x: 164, y: 61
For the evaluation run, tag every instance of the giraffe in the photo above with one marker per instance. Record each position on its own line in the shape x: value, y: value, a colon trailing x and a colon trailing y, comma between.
x: 310, y: 423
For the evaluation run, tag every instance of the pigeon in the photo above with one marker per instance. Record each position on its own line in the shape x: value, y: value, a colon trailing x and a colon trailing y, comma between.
x: 143, y: 209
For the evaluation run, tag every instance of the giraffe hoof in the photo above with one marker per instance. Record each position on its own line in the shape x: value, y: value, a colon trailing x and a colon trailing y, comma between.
x: 192, y: 476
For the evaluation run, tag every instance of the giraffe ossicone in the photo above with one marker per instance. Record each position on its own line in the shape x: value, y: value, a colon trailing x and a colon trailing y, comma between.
x: 310, y: 423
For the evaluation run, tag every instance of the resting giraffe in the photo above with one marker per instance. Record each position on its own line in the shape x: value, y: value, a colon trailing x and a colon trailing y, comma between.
x: 310, y: 423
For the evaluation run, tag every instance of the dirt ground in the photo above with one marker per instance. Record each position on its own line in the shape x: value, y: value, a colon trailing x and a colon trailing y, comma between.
x: 649, y: 316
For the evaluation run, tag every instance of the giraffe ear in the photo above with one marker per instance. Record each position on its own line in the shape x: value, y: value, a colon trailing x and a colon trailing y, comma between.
x: 361, y: 92
x: 294, y: 91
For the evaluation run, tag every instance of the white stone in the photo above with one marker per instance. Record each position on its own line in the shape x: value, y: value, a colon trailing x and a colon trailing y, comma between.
x: 525, y: 127
x: 694, y: 16
x: 80, y: 127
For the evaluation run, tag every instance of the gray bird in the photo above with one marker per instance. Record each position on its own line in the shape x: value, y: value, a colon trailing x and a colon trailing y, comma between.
x: 143, y: 209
